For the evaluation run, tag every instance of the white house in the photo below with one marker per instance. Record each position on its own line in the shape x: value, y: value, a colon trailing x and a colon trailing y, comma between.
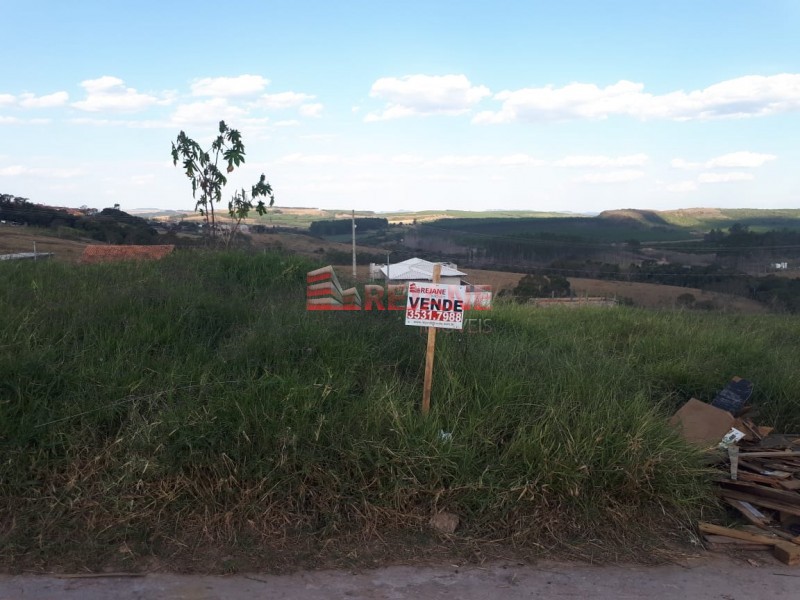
x: 417, y: 269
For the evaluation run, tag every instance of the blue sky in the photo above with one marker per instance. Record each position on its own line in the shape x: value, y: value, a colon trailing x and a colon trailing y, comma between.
x: 570, y: 105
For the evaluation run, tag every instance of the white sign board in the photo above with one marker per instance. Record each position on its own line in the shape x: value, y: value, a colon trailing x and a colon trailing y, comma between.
x: 435, y: 305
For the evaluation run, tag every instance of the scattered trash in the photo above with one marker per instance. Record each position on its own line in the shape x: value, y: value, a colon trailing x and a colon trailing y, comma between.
x: 701, y: 423
x: 731, y: 438
x: 734, y: 395
x: 759, y: 472
x: 445, y: 436
x: 445, y: 522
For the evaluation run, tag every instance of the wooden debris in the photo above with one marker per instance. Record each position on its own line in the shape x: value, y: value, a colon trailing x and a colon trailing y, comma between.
x: 791, y: 484
x: 736, y: 534
x: 720, y: 542
x: 750, y: 512
x: 786, y: 552
x: 97, y: 575
x: 759, y: 475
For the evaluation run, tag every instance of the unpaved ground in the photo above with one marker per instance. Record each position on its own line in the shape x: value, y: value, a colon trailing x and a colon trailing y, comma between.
x: 652, y: 295
x: 707, y: 578
x: 647, y: 295
x: 20, y: 239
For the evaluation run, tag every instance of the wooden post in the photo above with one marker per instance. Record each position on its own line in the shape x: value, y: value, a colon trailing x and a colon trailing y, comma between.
x: 426, y: 386
x: 355, y: 276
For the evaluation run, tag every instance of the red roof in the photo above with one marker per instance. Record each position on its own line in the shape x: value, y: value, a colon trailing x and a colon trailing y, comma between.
x: 100, y: 254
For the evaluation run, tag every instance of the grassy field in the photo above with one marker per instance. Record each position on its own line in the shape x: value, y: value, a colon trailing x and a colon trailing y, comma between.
x: 705, y: 219
x: 303, y: 217
x: 643, y: 295
x: 628, y: 221
x: 192, y: 410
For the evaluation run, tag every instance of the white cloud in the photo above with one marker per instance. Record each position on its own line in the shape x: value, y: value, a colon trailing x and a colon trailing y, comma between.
x: 129, y: 123
x: 425, y: 95
x: 12, y: 170
x: 680, y: 163
x: 576, y: 100
x: 733, y: 160
x: 618, y: 163
x: 20, y: 170
x: 520, y: 160
x: 48, y: 101
x: 207, y: 111
x: 450, y: 160
x: 109, y: 93
x: 311, y: 110
x: 227, y: 87
x: 682, y: 187
x: 407, y: 159
x: 287, y: 123
x: 146, y: 179
x: 724, y: 177
x: 739, y: 160
x: 17, y: 121
x: 513, y: 160
x: 632, y: 160
x: 283, y: 100
x: 748, y: 96
x: 622, y: 176
x: 28, y: 100
x: 311, y: 159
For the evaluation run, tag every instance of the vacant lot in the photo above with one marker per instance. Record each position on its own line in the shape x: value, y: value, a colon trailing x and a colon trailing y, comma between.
x: 646, y: 295
x: 651, y: 295
x: 305, y: 245
x: 21, y: 239
x: 192, y: 409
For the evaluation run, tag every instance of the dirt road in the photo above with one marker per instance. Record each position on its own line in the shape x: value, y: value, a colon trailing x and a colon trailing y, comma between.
x: 700, y: 579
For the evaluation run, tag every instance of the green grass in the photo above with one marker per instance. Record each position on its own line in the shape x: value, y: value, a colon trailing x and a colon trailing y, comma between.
x: 194, y: 403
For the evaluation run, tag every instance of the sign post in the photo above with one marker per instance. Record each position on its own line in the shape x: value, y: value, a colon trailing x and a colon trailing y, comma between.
x: 434, y: 305
x: 426, y: 386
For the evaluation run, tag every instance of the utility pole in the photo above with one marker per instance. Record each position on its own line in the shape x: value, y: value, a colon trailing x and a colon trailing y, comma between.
x: 388, y: 252
x: 354, y: 243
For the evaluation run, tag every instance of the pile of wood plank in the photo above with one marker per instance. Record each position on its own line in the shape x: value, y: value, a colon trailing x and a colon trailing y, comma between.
x: 760, y: 480
x: 759, y: 472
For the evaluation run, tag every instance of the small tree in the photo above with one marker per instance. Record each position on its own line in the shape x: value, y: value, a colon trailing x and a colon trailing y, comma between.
x: 202, y: 169
x: 240, y: 205
x: 542, y: 286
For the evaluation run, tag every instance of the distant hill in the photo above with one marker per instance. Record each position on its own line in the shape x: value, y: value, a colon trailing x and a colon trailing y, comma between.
x: 635, y: 217
x: 152, y: 213
x: 109, y: 225
x: 722, y: 218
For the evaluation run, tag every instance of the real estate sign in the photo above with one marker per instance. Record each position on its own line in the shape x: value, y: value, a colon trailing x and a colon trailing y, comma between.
x: 435, y: 305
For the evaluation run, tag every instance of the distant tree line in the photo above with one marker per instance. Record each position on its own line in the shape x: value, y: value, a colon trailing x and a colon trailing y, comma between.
x: 109, y: 225
x: 343, y: 226
x: 779, y: 293
x: 542, y: 286
x: 740, y: 240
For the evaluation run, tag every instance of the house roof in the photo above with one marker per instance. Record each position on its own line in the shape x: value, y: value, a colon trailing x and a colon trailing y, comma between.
x: 25, y: 255
x: 418, y: 269
x: 101, y: 253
